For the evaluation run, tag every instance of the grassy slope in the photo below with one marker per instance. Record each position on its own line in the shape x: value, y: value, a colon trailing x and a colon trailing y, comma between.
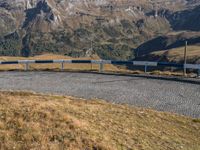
x: 177, y: 54
x: 37, y: 121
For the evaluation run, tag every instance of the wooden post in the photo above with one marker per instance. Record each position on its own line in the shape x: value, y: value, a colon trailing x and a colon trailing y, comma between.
x: 185, y: 59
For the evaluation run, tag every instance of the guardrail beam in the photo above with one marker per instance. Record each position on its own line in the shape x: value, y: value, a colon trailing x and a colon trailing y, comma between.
x: 101, y: 63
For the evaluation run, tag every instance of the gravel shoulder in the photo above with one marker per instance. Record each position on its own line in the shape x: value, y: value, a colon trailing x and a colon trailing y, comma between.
x: 163, y: 94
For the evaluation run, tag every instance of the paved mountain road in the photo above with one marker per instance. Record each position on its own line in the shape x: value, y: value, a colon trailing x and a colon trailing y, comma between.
x: 164, y: 95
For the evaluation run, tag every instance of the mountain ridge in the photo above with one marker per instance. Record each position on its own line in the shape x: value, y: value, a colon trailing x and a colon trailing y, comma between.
x: 114, y: 29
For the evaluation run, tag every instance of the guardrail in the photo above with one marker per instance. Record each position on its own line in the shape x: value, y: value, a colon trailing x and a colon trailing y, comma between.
x: 101, y: 63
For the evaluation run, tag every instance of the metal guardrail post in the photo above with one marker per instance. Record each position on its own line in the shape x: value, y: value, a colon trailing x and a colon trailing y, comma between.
x: 101, y: 67
x: 198, y: 73
x: 145, y: 68
x: 62, y: 66
x: 26, y: 66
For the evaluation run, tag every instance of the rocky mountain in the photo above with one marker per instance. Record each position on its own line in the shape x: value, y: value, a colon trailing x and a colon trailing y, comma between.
x: 114, y: 29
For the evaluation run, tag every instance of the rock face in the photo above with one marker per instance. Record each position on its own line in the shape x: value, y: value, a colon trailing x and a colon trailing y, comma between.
x: 114, y: 28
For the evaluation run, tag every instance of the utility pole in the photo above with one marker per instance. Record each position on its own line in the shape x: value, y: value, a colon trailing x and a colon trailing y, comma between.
x: 156, y: 10
x: 185, y: 58
x: 91, y: 45
x: 91, y: 53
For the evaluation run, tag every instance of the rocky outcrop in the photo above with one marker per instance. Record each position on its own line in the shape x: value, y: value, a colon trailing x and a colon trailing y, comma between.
x: 39, y: 16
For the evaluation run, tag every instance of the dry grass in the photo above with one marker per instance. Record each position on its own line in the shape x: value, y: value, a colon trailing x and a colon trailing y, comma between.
x: 35, y: 121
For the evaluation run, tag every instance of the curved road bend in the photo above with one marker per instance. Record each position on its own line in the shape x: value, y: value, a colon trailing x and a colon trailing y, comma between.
x: 164, y: 95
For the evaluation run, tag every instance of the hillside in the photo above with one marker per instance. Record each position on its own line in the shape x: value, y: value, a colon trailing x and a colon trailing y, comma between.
x: 110, y: 29
x: 174, y: 55
x: 171, y: 48
x: 36, y: 121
